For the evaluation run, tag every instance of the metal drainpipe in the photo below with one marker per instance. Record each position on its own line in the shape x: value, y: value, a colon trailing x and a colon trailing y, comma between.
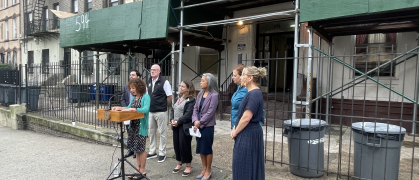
x: 296, y: 39
x: 309, y: 73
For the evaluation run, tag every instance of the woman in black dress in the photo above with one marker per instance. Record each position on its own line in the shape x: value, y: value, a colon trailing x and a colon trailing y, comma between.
x: 138, y: 128
x: 248, y: 160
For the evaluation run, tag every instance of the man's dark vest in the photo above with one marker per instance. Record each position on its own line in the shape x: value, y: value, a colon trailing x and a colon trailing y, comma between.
x: 158, y: 98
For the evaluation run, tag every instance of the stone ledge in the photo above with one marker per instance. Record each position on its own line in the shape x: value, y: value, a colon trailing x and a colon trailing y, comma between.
x: 55, y: 127
x: 5, y: 116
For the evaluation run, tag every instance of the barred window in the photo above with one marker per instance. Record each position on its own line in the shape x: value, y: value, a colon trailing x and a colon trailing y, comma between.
x: 378, y: 49
x: 30, y: 62
x: 45, y: 61
x: 87, y: 63
x: 114, y: 64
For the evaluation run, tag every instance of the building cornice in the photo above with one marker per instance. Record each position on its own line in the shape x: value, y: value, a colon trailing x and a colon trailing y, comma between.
x: 10, y: 17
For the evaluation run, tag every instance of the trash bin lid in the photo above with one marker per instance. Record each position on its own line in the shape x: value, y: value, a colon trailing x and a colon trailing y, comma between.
x: 379, y: 128
x: 305, y: 123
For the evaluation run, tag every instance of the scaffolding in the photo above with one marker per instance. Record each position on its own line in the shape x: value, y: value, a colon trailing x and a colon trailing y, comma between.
x: 309, y: 70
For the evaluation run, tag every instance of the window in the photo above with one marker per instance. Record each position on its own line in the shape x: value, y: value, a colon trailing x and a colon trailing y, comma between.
x: 45, y: 61
x: 2, y: 58
x: 45, y: 19
x: 56, y: 23
x: 1, y: 31
x: 30, y: 17
x: 8, y: 58
x: 28, y: 23
x: 75, y: 6
x: 88, y: 5
x: 158, y: 55
x: 30, y: 62
x: 87, y: 63
x: 14, y: 60
x: 14, y: 29
x: 5, y: 3
x: 383, y: 44
x: 6, y: 27
x: 67, y: 62
x: 13, y: 2
x: 113, y: 64
x: 113, y: 3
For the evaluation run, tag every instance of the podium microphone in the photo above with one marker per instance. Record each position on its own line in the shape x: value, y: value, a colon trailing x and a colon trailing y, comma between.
x: 109, y: 103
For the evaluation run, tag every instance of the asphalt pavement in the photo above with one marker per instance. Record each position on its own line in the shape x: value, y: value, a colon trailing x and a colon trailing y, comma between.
x: 30, y: 155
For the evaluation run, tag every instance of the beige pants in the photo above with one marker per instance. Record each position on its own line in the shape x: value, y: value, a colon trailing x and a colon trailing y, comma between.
x: 157, y: 121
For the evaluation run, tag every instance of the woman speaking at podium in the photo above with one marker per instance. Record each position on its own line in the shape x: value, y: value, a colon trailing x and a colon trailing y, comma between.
x: 138, y: 128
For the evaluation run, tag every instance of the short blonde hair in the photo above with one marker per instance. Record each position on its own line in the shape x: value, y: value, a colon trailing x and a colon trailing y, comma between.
x: 255, y: 72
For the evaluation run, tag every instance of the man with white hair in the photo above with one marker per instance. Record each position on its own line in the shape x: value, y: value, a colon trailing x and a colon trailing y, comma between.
x: 160, y: 93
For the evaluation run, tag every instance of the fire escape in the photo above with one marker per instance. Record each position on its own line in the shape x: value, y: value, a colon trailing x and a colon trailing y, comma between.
x: 39, y: 22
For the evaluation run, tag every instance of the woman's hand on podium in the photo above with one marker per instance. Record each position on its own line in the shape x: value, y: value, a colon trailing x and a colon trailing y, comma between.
x: 129, y: 109
x: 117, y: 108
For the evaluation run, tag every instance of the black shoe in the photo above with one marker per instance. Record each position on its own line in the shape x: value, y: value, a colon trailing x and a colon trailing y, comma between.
x: 135, y: 155
x: 128, y: 154
x: 151, y: 156
x: 161, y: 159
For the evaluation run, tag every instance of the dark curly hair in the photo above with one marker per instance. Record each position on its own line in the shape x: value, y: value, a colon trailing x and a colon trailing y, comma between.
x: 139, y: 85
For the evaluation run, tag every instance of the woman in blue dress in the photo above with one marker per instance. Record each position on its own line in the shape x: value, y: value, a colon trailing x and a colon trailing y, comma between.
x: 238, y: 96
x: 248, y: 159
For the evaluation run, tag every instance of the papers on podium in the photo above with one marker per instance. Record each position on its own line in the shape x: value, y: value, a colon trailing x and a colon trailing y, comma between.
x: 196, y: 134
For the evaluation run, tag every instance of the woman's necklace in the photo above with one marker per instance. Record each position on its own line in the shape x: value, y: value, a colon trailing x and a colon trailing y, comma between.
x: 180, y: 101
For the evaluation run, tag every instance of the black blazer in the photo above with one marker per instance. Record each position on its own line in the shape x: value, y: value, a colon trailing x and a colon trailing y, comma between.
x: 186, y: 119
x: 125, y: 97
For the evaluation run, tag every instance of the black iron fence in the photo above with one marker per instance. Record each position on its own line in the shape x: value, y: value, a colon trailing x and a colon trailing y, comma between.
x: 352, y: 120
x: 72, y: 91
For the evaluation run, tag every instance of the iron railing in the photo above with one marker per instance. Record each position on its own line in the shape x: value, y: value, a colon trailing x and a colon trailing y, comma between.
x: 73, y: 91
x: 340, y: 98
x: 51, y: 25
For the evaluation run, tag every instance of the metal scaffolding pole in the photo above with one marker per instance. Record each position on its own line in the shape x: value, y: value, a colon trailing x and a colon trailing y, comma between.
x: 173, y: 70
x: 226, y: 53
x: 318, y: 79
x: 415, y: 106
x: 199, y: 4
x: 180, y: 42
x: 235, y: 20
x: 296, y: 39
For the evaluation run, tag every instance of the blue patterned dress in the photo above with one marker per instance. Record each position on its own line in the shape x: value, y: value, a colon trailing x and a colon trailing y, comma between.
x: 248, y: 157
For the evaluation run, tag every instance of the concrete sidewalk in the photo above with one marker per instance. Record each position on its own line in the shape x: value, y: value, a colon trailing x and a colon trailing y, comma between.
x: 30, y: 155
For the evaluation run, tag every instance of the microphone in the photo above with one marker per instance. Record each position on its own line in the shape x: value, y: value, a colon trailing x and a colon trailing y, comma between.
x: 116, y: 94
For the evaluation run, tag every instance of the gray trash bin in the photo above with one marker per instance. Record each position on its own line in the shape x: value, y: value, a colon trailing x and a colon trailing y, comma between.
x: 10, y: 95
x: 305, y: 146
x: 377, y: 150
x: 2, y: 92
x: 33, y: 98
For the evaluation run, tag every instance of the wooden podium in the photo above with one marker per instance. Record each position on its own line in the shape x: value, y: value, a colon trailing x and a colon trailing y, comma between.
x: 120, y: 117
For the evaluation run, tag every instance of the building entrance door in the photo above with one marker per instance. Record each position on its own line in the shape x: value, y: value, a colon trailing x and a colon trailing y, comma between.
x: 276, y: 40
